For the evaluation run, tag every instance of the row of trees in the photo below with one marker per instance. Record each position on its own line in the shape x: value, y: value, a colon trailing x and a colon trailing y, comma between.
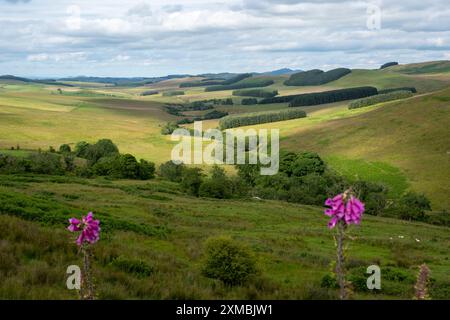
x: 379, y: 98
x: 316, y: 77
x: 100, y: 159
x: 249, y: 101
x: 310, y: 99
x: 247, y: 119
x: 411, y: 89
x: 257, y: 93
x: 389, y: 64
x: 250, y: 83
x: 302, y: 178
x: 173, y: 93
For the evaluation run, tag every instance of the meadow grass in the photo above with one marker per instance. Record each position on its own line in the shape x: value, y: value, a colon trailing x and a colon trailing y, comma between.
x: 294, y: 248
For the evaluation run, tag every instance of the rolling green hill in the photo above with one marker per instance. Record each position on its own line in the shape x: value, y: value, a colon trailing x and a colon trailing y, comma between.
x: 152, y: 224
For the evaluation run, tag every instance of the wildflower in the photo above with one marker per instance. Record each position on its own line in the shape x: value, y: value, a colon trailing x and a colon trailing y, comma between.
x: 344, y: 208
x: 90, y: 234
x: 90, y: 229
x: 422, y: 283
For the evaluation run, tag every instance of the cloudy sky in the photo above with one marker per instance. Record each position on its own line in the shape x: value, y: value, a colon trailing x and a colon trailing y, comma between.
x: 48, y: 38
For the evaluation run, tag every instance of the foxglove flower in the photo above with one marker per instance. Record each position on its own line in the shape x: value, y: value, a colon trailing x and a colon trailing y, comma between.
x: 344, y: 208
x: 90, y: 229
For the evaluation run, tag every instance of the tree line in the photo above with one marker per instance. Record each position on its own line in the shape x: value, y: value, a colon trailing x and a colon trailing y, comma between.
x: 247, y: 119
x: 316, y: 77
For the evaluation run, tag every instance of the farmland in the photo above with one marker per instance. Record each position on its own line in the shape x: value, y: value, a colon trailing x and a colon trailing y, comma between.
x: 403, y: 144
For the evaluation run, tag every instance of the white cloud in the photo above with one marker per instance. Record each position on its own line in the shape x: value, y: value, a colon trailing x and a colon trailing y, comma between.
x: 195, y: 36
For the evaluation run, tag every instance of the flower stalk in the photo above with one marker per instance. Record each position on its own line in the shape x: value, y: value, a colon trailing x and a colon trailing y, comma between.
x: 344, y: 209
x: 89, y: 234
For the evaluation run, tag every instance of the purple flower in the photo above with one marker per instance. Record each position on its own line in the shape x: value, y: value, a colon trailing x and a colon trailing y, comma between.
x: 344, y: 208
x: 90, y: 229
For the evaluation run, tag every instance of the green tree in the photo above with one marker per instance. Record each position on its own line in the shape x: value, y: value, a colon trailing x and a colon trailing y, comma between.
x: 191, y: 180
x: 171, y: 171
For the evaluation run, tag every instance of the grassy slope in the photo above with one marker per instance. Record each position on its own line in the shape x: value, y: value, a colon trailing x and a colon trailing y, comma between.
x: 293, y: 245
x: 33, y: 118
x: 411, y: 135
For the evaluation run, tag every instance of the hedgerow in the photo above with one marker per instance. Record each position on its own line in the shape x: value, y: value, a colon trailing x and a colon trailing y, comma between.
x: 379, y: 98
x: 259, y: 117
x: 257, y: 93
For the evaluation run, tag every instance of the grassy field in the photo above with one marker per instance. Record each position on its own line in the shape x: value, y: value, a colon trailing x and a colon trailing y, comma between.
x: 404, y: 144
x: 293, y: 246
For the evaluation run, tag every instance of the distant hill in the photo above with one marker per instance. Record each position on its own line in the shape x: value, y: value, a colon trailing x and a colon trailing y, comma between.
x: 48, y: 81
x: 280, y: 72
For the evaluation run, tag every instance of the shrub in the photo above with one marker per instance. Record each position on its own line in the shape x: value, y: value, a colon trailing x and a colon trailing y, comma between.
x: 135, y: 267
x: 249, y: 101
x: 146, y: 170
x: 246, y: 119
x: 102, y: 148
x: 171, y: 171
x: 228, y: 261
x: 65, y: 148
x: 218, y: 186
x: 374, y: 196
x: 169, y: 128
x: 257, y: 93
x: 124, y: 167
x: 45, y: 163
x: 307, y: 163
x: 389, y: 64
x: 379, y: 98
x: 191, y: 180
x: 81, y: 149
x: 316, y: 77
x: 411, y: 206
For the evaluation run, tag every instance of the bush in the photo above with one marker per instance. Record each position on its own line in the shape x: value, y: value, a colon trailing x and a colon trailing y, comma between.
x: 307, y: 163
x: 379, y: 98
x: 316, y: 77
x: 249, y: 101
x: 411, y: 206
x: 146, y: 170
x: 124, y: 167
x: 374, y: 196
x: 171, y: 171
x: 218, y: 186
x: 102, y: 148
x: 45, y: 163
x: 81, y: 149
x: 246, y: 119
x: 228, y: 261
x: 191, y: 180
x: 135, y: 267
x: 169, y: 128
x: 389, y: 64
x: 257, y: 93
x: 65, y: 148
